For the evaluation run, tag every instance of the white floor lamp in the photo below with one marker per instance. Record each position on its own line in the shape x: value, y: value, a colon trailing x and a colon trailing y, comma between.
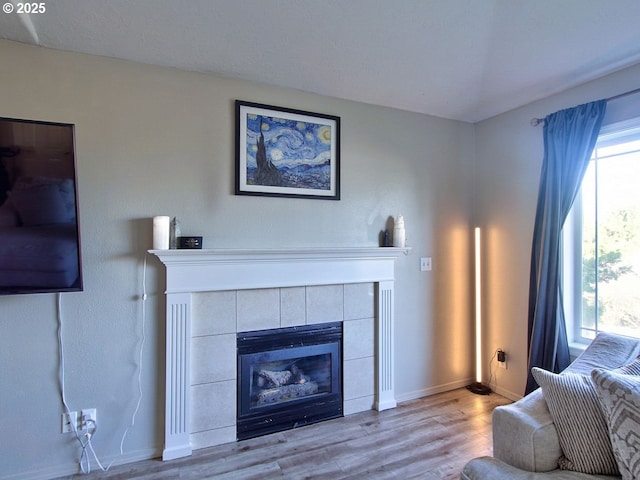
x: 478, y: 387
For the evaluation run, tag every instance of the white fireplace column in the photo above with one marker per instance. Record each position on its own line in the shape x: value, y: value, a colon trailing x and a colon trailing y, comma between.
x: 178, y: 368
x: 190, y: 271
x: 385, y: 397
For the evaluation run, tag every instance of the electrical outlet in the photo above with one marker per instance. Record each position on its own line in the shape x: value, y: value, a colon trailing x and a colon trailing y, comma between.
x: 88, y: 418
x: 502, y: 358
x: 69, y: 422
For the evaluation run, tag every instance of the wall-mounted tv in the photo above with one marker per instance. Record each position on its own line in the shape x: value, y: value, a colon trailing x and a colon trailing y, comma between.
x: 39, y: 229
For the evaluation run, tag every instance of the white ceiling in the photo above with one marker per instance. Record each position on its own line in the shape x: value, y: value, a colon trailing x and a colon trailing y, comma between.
x: 460, y: 59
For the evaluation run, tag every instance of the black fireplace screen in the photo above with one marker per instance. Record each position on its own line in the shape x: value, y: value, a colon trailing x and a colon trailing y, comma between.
x: 288, y: 377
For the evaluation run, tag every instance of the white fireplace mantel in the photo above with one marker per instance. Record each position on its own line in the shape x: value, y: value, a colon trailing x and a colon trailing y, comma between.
x: 190, y: 271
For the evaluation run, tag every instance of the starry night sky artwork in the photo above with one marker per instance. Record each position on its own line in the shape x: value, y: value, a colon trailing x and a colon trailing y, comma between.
x: 287, y: 152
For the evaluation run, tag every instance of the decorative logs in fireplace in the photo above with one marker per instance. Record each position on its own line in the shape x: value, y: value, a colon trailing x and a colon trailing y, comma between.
x: 288, y: 377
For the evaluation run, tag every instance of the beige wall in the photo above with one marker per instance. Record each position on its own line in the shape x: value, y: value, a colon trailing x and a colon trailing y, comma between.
x: 161, y: 141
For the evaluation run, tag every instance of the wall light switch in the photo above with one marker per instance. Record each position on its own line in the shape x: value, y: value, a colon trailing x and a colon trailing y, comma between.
x: 425, y: 264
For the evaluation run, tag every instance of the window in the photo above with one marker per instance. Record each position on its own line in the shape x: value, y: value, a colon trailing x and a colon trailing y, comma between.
x: 601, y: 240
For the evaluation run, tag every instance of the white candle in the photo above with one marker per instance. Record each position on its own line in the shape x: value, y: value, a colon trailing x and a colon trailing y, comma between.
x: 399, y: 232
x: 161, y: 232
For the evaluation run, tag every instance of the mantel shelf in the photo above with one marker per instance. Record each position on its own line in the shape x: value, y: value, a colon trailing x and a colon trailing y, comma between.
x: 252, y: 255
x: 237, y: 269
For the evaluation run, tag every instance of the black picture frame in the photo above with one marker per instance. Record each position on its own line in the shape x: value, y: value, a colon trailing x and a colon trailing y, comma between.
x: 283, y: 152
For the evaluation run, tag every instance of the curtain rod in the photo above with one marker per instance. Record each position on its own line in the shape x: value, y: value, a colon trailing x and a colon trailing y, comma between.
x: 537, y: 121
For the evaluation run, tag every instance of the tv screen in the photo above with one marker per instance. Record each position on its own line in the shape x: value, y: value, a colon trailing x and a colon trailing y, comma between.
x: 39, y: 234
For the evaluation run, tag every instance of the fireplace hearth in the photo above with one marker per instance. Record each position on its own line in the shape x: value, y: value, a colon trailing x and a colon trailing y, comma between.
x: 288, y: 378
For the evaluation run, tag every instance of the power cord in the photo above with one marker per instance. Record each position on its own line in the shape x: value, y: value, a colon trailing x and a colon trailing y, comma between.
x: 87, y: 446
x: 83, y: 439
x: 89, y: 424
x: 493, y: 357
x: 142, y: 343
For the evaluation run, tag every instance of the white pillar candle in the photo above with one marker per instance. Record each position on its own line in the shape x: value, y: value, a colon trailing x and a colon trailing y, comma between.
x: 161, y: 232
x: 399, y: 232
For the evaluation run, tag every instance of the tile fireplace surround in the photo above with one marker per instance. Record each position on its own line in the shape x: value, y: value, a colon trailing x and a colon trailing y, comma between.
x: 266, y: 276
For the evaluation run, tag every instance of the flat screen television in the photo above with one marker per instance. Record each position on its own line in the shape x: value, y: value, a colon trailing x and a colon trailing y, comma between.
x: 39, y: 229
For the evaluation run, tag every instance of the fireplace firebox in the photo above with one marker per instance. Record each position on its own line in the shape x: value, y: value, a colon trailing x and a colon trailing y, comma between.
x: 288, y: 377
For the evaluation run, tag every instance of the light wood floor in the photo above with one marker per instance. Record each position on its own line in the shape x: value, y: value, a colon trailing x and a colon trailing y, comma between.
x: 430, y: 438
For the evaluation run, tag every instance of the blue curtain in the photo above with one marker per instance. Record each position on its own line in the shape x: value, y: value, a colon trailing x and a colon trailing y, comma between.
x: 569, y: 138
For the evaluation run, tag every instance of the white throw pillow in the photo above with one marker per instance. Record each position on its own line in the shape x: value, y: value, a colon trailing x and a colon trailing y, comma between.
x: 582, y: 429
x: 632, y: 368
x: 619, y: 397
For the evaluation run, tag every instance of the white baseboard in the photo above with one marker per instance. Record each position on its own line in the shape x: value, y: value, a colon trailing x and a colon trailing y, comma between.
x: 55, y: 471
x: 426, y: 392
x: 506, y: 393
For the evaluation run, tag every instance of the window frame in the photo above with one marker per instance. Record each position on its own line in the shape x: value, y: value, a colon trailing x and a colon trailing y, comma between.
x: 571, y: 240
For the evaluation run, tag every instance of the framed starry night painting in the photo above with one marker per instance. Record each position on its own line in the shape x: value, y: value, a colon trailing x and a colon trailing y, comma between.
x: 283, y: 152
